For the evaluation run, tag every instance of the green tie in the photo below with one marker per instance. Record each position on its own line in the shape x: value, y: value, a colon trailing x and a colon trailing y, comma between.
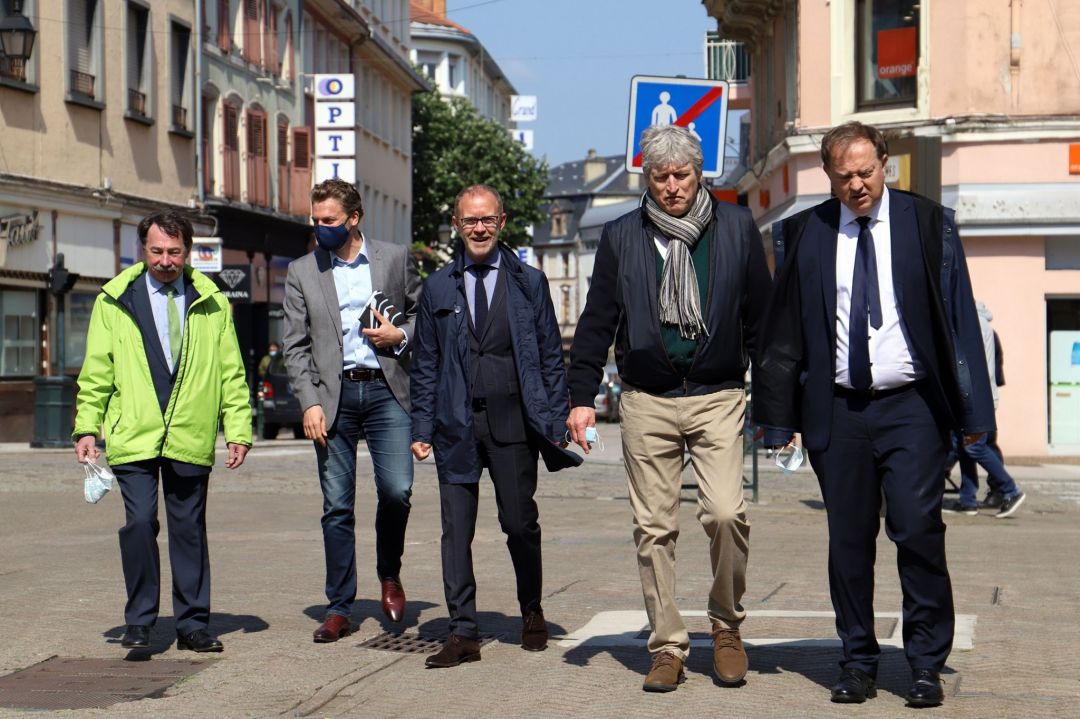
x: 175, y: 336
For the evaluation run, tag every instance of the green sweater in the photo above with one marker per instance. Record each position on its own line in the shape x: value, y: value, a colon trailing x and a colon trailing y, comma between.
x: 681, y: 351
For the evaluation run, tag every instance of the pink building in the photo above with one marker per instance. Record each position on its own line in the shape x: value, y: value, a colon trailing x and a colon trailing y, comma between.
x: 981, y: 104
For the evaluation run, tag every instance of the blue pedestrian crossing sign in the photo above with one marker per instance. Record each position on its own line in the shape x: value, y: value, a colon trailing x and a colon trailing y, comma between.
x: 698, y: 105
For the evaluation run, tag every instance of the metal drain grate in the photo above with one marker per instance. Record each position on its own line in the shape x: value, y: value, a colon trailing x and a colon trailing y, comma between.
x: 67, y: 683
x: 405, y: 643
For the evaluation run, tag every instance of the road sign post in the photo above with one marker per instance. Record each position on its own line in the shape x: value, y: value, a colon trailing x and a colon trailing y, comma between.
x: 698, y: 105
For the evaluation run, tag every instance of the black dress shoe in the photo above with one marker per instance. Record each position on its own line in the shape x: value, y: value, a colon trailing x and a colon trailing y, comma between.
x: 854, y: 687
x: 198, y: 641
x: 457, y: 650
x: 534, y: 633
x: 925, y: 689
x: 136, y: 636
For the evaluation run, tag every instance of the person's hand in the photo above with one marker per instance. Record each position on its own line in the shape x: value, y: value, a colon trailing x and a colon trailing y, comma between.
x: 315, y: 424
x: 580, y: 418
x: 421, y: 450
x: 237, y: 452
x: 86, y: 448
x: 973, y: 438
x: 386, y: 334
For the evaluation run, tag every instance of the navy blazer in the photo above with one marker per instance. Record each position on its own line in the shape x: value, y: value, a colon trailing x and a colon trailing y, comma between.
x: 795, y: 370
x: 442, y: 413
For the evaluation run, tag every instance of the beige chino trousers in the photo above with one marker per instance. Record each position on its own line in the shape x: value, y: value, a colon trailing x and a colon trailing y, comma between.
x: 655, y: 433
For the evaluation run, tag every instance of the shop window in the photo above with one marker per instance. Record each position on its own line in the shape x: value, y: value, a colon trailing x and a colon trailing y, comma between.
x: 19, y: 341
x: 886, y: 52
x: 79, y: 307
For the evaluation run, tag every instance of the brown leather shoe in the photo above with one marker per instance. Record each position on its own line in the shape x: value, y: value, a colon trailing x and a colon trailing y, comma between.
x: 729, y: 657
x: 666, y: 674
x: 457, y: 650
x: 336, y: 626
x: 534, y: 632
x: 393, y: 599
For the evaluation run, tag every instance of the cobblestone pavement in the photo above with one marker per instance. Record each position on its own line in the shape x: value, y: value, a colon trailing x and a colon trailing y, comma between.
x: 61, y: 594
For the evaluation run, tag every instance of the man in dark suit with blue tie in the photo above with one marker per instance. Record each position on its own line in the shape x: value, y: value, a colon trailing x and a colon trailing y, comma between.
x: 871, y: 348
x: 489, y: 390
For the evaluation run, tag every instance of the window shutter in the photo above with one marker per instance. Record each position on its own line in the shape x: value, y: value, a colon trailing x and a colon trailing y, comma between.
x: 79, y: 31
x: 283, y: 143
x: 302, y: 148
x: 224, y: 26
x: 232, y: 134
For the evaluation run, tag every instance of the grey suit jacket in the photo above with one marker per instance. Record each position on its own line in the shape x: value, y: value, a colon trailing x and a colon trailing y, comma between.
x: 313, y: 349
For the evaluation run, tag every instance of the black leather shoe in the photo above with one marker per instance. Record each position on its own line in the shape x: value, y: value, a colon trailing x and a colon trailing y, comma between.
x: 534, y: 633
x: 198, y: 641
x: 854, y: 687
x: 926, y: 690
x: 457, y: 650
x: 136, y: 636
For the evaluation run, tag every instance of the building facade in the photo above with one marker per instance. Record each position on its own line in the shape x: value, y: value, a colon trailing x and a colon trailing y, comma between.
x: 981, y: 106
x: 456, y: 62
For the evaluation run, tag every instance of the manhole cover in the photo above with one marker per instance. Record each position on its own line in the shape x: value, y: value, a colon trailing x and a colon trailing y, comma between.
x: 66, y: 683
x: 405, y: 643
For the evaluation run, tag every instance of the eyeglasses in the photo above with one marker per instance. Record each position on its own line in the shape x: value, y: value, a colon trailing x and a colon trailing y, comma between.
x: 490, y: 222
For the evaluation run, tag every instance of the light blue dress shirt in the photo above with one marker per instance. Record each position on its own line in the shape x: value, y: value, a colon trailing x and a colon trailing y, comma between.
x: 489, y: 281
x: 353, y: 283
x: 158, y: 300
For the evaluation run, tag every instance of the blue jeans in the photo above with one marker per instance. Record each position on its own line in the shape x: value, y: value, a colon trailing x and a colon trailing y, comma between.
x: 981, y: 453
x: 368, y: 409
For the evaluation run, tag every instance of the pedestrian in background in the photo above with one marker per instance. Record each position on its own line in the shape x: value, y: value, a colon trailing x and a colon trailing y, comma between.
x: 872, y: 350
x: 489, y: 391
x: 272, y: 351
x: 679, y: 284
x: 163, y: 330
x: 352, y: 380
x: 1003, y: 494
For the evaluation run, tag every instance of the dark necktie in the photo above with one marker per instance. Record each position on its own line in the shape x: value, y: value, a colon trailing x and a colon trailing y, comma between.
x: 480, y: 298
x: 865, y: 308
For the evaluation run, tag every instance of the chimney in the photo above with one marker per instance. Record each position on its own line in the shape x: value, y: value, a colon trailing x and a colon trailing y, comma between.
x: 434, y: 7
x: 595, y: 167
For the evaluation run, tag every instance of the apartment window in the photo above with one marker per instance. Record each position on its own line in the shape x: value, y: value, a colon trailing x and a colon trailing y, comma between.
x: 429, y: 63
x: 224, y: 18
x: 565, y: 305
x: 252, y: 50
x: 208, y: 114
x: 273, y: 63
x: 21, y: 71
x: 283, y: 174
x: 886, y: 52
x: 452, y: 72
x: 558, y: 223
x: 230, y: 149
x: 566, y: 264
x: 138, y: 61
x: 19, y: 340
x: 287, y: 64
x: 258, y: 168
x: 84, y: 49
x: 180, y: 89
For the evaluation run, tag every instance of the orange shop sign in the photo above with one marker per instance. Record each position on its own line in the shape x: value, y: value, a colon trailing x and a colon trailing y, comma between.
x: 896, y: 53
x: 1074, y: 159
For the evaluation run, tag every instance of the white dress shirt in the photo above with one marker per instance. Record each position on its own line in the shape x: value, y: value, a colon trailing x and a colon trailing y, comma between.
x: 892, y: 363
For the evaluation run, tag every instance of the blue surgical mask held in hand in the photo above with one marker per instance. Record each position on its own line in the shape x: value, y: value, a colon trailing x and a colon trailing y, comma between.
x: 331, y: 237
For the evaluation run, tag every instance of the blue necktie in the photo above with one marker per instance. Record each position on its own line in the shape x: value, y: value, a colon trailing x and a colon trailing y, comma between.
x: 480, y: 298
x: 865, y: 308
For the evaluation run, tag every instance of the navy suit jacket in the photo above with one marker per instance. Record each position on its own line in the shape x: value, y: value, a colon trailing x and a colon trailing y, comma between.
x: 795, y: 372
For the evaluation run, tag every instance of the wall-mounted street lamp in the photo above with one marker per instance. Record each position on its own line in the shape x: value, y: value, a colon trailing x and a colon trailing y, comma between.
x: 17, y: 34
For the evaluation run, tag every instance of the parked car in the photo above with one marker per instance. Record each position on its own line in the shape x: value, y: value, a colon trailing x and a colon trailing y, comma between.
x: 607, y: 396
x: 280, y: 408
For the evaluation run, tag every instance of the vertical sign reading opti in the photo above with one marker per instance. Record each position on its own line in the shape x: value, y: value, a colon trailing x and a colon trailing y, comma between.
x: 335, y: 123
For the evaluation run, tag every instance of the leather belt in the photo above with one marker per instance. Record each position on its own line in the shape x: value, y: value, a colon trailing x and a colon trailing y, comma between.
x: 868, y: 394
x: 479, y: 404
x: 363, y: 375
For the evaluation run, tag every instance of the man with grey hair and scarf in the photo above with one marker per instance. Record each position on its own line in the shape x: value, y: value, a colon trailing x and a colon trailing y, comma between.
x: 679, y: 284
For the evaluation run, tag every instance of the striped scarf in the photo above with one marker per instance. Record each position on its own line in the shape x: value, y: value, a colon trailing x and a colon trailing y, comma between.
x: 679, y: 300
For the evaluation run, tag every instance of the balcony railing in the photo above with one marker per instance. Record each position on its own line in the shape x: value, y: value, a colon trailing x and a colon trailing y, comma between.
x: 13, y: 68
x: 137, y: 102
x: 82, y: 83
x: 727, y: 60
x: 179, y: 117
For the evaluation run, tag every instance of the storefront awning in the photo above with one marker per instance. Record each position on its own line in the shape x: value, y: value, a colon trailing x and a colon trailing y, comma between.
x: 253, y: 230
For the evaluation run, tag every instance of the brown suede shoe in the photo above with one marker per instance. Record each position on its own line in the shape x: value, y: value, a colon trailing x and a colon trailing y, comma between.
x: 335, y: 627
x: 457, y: 650
x: 534, y: 633
x: 393, y: 598
x: 666, y: 674
x: 729, y: 657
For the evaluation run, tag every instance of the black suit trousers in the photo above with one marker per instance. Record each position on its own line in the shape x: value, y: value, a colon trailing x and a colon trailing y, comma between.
x: 189, y: 556
x: 890, y: 446
x: 512, y: 468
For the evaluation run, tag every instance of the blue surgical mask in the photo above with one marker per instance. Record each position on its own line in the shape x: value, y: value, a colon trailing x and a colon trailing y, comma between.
x: 331, y: 237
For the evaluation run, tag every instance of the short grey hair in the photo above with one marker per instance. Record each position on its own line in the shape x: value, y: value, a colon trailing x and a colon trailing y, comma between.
x: 670, y: 145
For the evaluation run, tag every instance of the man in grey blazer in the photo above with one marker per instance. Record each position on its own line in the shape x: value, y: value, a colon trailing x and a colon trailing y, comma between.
x: 351, y: 377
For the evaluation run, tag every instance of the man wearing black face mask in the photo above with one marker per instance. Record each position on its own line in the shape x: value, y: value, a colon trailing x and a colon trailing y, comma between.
x: 352, y: 378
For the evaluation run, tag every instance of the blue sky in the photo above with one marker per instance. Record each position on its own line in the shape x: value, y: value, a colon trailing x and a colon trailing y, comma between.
x: 578, y: 57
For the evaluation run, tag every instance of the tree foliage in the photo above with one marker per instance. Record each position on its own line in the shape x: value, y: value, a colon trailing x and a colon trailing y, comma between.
x: 454, y: 147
